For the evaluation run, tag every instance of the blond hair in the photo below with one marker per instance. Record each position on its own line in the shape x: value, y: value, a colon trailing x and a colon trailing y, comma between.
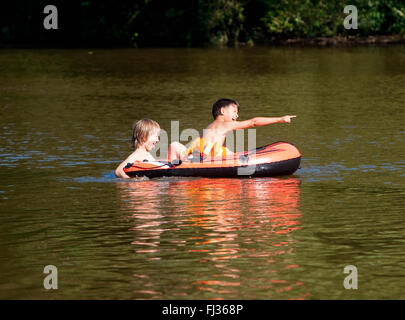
x: 141, y: 131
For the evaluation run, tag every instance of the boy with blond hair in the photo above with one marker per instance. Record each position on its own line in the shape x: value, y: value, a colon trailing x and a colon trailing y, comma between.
x: 145, y: 135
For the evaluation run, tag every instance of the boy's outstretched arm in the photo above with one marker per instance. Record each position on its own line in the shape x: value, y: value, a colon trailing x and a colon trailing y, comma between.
x: 259, y: 121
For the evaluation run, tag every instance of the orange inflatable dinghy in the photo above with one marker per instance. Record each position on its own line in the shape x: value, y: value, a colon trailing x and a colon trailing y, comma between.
x: 280, y: 158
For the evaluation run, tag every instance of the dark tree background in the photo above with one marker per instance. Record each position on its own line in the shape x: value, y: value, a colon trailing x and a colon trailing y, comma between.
x: 191, y: 23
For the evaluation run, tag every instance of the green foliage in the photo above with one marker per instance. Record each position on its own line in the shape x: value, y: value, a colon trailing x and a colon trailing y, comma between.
x: 381, y: 17
x: 288, y: 18
x: 291, y: 18
x: 222, y: 20
x: 189, y: 23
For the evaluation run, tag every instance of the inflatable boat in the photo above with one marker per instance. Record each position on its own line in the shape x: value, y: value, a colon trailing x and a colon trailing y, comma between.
x: 280, y: 158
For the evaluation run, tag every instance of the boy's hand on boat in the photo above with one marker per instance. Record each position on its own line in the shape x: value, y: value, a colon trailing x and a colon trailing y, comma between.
x: 287, y: 119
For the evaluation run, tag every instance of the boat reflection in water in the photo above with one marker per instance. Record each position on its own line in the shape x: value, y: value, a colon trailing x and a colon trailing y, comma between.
x: 216, y: 238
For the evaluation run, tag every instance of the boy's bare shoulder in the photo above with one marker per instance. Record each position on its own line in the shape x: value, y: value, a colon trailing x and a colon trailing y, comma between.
x: 234, y: 125
x: 134, y: 156
x: 219, y: 125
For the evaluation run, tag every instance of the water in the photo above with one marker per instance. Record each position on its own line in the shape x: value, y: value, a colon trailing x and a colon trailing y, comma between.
x: 66, y: 119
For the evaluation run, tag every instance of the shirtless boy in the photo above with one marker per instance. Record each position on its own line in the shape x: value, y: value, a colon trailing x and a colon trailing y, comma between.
x: 225, y: 113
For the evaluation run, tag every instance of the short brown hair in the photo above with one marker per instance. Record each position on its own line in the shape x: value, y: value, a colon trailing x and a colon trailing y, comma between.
x: 222, y: 103
x: 141, y: 131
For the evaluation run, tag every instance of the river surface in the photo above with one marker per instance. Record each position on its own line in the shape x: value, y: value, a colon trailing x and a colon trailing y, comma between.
x: 66, y: 118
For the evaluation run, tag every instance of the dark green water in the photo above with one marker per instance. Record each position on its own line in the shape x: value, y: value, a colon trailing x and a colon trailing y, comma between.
x: 66, y: 118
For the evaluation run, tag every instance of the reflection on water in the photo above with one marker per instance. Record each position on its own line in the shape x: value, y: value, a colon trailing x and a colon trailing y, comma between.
x: 222, y: 227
